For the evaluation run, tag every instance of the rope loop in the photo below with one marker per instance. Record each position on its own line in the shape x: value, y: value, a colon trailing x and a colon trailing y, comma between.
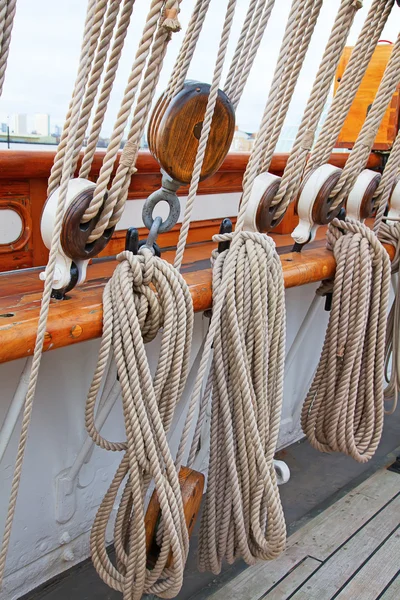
x: 344, y: 408
x: 243, y: 513
x: 144, y: 297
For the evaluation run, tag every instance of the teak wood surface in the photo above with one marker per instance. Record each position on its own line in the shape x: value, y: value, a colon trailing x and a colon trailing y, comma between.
x: 23, y: 187
x: 79, y: 317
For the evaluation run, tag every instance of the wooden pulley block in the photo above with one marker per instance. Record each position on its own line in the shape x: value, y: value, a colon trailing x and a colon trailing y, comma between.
x: 314, y: 202
x: 175, y: 128
x: 192, y: 486
x: 260, y: 215
x: 360, y: 202
x: 74, y: 246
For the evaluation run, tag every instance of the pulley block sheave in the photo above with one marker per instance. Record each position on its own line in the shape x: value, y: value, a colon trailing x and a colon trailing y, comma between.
x: 174, y: 132
x: 74, y: 249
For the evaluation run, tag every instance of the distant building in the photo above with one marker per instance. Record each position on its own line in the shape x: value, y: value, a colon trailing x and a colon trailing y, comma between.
x: 42, y: 124
x: 3, y: 127
x: 57, y: 131
x: 243, y: 141
x: 18, y: 124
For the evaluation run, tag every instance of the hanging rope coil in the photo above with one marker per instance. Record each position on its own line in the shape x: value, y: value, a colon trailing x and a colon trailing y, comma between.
x: 243, y: 513
x: 343, y: 410
x: 144, y: 296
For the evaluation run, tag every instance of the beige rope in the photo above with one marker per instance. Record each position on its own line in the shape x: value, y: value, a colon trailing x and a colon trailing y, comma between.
x: 350, y: 81
x: 343, y: 410
x: 99, y: 11
x: 295, y: 58
x: 145, y: 295
x: 250, y: 38
x: 112, y: 207
x: 188, y: 47
x: 7, y: 14
x: 296, y: 163
x: 359, y: 155
x: 242, y: 514
x: 205, y: 132
x: 44, y: 307
x: 109, y: 78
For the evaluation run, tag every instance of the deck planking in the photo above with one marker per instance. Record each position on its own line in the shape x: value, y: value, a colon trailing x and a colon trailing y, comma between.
x: 347, y: 552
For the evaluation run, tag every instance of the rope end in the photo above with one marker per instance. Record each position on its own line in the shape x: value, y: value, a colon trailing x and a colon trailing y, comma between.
x: 171, y: 21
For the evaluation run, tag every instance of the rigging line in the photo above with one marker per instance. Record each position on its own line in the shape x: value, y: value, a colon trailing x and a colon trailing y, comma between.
x: 105, y: 93
x: 45, y: 303
x: 205, y: 132
x: 361, y: 150
x: 350, y: 81
x: 305, y: 136
x: 7, y: 15
x: 155, y: 38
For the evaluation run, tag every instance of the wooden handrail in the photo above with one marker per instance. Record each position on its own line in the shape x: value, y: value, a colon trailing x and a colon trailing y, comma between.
x: 79, y: 318
x: 17, y: 164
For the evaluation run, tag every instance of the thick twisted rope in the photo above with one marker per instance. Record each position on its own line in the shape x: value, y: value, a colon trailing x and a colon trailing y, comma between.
x: 99, y: 10
x: 343, y: 410
x: 205, y: 132
x: 389, y: 233
x: 249, y: 41
x: 350, y: 81
x: 155, y: 39
x: 7, y: 14
x: 109, y: 78
x: 295, y: 58
x: 45, y: 303
x: 188, y: 48
x: 305, y: 136
x: 359, y: 155
x: 243, y: 514
x: 145, y: 295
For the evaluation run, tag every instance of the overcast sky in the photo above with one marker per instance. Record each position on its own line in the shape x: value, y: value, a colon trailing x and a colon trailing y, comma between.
x: 46, y: 41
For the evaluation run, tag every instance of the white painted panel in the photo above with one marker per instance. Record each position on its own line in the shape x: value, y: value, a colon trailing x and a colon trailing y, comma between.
x: 207, y: 206
x: 38, y: 549
x: 10, y: 226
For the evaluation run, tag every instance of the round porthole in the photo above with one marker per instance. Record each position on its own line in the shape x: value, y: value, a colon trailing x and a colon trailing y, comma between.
x: 11, y: 226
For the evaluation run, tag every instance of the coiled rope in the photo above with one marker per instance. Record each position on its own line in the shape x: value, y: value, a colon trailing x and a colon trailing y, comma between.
x: 144, y: 296
x: 343, y: 410
x: 243, y: 514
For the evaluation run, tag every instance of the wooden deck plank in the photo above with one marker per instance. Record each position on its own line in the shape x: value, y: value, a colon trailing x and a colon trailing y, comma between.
x: 393, y: 591
x: 293, y: 580
x: 252, y: 583
x: 335, y: 572
x: 319, y: 538
x: 380, y: 569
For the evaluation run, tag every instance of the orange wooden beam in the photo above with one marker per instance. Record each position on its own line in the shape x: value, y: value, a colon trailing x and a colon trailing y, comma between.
x: 79, y: 318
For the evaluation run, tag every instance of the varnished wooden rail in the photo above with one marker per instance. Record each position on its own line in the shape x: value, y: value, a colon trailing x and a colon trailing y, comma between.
x: 79, y: 318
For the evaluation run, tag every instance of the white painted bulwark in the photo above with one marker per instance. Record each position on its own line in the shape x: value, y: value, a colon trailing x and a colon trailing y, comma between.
x: 41, y: 546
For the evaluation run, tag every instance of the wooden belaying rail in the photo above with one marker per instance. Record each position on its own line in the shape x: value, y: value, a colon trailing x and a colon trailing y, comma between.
x: 79, y: 318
